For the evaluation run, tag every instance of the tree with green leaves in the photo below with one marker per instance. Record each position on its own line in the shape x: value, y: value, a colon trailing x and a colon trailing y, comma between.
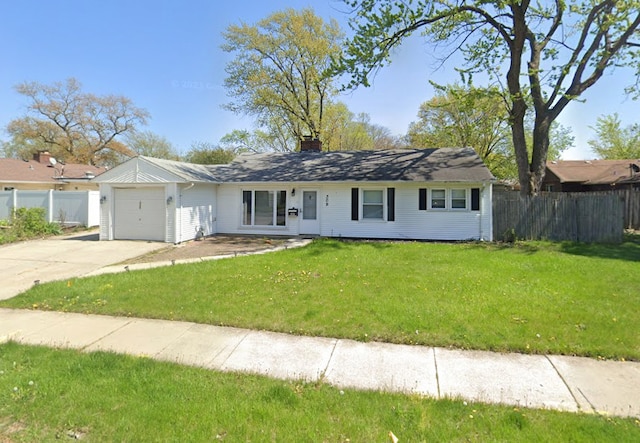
x: 73, y: 125
x: 150, y: 144
x: 273, y: 138
x: 461, y: 116
x: 22, y: 147
x: 279, y: 71
x: 204, y: 153
x: 614, y: 142
x: 346, y: 131
x: 545, y: 54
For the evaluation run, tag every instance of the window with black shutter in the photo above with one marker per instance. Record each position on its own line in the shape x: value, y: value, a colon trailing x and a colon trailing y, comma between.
x: 354, y: 203
x: 422, y: 199
x: 391, y: 204
x: 475, y: 199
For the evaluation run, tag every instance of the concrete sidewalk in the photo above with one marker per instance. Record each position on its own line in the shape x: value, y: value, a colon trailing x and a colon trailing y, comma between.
x: 555, y: 382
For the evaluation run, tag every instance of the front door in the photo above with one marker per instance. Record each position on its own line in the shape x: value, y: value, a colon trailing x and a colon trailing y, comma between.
x: 309, y: 218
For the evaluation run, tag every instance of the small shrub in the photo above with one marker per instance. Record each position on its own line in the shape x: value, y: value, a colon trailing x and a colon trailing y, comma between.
x: 27, y: 223
x: 509, y: 236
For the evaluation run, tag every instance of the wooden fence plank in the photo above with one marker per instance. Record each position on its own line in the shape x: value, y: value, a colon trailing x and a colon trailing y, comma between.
x: 583, y: 217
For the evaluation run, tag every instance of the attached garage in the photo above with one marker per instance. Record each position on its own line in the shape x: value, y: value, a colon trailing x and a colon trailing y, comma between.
x: 157, y: 200
x: 139, y: 213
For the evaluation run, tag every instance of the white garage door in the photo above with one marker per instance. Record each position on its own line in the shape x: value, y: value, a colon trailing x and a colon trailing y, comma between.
x: 140, y: 214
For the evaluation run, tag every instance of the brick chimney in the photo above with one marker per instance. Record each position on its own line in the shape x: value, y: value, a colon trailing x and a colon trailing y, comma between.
x: 309, y: 144
x: 42, y: 157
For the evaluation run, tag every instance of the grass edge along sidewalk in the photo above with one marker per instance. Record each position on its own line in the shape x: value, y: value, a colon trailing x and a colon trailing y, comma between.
x: 533, y: 297
x: 44, y: 397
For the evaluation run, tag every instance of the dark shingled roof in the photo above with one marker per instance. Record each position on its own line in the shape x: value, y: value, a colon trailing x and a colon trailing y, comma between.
x: 595, y: 172
x: 422, y: 165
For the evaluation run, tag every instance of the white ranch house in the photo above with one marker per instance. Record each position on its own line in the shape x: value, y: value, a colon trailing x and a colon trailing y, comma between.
x: 432, y: 194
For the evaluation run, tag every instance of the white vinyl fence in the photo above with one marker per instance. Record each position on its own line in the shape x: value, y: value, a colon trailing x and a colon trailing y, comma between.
x: 66, y: 207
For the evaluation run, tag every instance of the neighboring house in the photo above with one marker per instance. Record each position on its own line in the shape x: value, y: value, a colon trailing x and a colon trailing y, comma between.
x: 591, y: 175
x: 43, y: 173
x: 432, y: 194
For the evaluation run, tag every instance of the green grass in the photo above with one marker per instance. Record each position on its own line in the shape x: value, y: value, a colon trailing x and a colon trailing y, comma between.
x: 537, y: 297
x: 51, y: 395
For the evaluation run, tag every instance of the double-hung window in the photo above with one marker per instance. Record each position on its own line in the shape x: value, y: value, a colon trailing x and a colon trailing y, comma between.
x: 264, y: 208
x: 438, y: 199
x: 458, y: 199
x: 449, y: 199
x: 372, y: 205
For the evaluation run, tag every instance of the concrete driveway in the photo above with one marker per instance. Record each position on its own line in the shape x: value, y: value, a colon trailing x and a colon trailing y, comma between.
x: 59, y: 258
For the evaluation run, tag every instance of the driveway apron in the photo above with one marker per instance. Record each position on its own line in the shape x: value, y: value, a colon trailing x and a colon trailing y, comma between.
x: 57, y: 258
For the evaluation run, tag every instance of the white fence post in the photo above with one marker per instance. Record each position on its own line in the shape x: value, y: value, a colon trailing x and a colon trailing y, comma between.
x: 14, y: 201
x: 93, y: 208
x: 50, y: 206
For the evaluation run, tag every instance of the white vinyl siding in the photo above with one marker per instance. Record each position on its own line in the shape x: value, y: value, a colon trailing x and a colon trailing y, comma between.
x: 335, y: 213
x: 196, y: 211
x: 410, y: 222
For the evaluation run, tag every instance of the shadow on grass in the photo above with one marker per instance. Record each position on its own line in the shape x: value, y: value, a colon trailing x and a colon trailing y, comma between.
x: 330, y: 245
x: 524, y: 247
x: 629, y: 250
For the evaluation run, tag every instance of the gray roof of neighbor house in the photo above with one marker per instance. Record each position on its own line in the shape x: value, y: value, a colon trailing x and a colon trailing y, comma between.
x: 595, y: 172
x: 422, y: 165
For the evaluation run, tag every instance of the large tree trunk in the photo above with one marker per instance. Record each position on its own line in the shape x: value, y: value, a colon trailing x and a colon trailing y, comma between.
x: 539, y: 153
x: 519, y: 139
x: 519, y: 105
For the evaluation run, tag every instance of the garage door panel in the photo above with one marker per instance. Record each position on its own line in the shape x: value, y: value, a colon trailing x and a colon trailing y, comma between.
x: 140, y: 214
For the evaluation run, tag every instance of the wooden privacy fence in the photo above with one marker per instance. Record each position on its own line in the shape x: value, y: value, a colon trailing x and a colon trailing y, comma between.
x: 581, y: 217
x: 631, y: 208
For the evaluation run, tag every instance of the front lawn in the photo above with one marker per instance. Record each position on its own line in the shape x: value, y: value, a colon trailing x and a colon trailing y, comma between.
x: 535, y: 297
x: 49, y: 395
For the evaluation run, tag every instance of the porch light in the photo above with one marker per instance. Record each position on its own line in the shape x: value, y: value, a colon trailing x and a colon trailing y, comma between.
x: 103, y: 199
x: 293, y: 192
x: 169, y: 200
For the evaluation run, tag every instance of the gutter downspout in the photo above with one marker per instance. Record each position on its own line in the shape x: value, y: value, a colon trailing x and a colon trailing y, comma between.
x: 489, y: 185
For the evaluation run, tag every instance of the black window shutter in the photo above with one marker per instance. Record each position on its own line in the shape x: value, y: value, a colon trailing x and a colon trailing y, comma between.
x: 475, y: 199
x: 391, y: 204
x: 422, y: 199
x: 354, y: 203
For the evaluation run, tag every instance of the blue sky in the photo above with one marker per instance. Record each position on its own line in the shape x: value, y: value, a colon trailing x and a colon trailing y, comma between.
x: 165, y: 55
